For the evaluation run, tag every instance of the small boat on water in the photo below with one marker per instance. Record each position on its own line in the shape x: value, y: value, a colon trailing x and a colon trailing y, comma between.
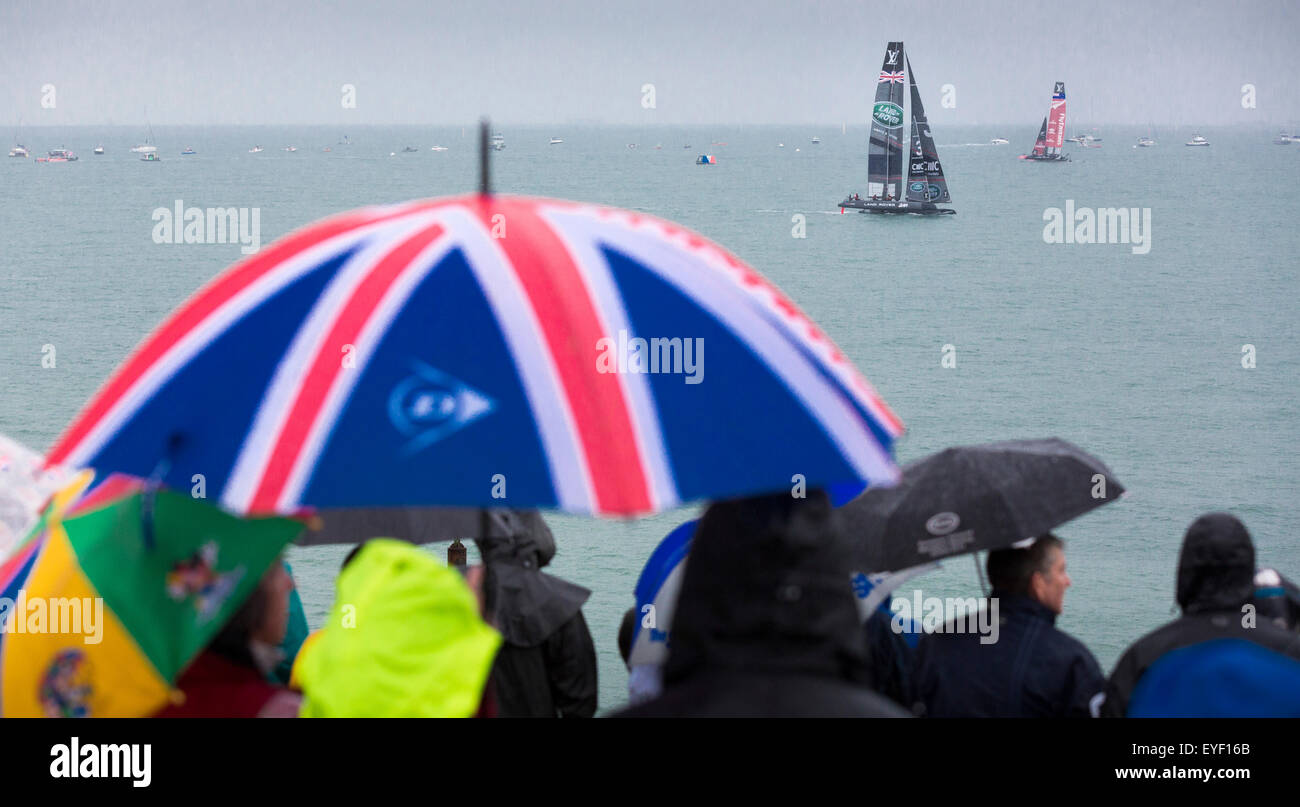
x: 1197, y: 140
x: 18, y: 151
x: 189, y: 150
x: 903, y: 170
x: 151, y: 157
x: 498, y: 142
x: 999, y: 141
x: 291, y: 148
x: 58, y: 156
x: 97, y: 150
x: 631, y: 145
x: 255, y: 150
x: 1145, y: 143
x: 1284, y: 139
x: 706, y: 159
x: 816, y: 140
x: 1051, y: 135
x: 409, y: 149
x: 438, y: 148
x: 555, y: 141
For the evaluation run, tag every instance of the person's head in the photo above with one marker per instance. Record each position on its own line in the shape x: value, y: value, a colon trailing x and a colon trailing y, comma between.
x: 1216, y: 568
x: 1036, y: 571
x: 767, y: 587
x: 263, y: 618
x: 404, y: 639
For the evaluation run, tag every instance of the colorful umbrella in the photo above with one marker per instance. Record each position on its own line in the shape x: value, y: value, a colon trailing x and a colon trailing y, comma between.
x: 106, y: 606
x: 487, y: 351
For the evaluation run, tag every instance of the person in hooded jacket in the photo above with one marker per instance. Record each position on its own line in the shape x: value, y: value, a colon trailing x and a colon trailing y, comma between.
x: 765, y: 622
x: 1220, y: 659
x: 547, y: 663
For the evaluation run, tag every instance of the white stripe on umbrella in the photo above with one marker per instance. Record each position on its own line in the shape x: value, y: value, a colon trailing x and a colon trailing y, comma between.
x: 372, y: 333
x: 202, y: 335
x: 768, y: 296
x: 608, y: 304
x: 844, y: 425
x: 272, y: 413
x: 534, y: 363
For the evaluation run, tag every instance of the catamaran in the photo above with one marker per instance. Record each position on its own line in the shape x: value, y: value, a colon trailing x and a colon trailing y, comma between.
x: 925, y: 183
x: 1051, y: 135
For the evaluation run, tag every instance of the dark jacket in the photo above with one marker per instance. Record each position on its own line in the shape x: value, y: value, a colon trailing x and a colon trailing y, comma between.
x: 765, y: 623
x: 1220, y: 658
x: 547, y: 663
x: 1032, y: 670
x: 891, y: 658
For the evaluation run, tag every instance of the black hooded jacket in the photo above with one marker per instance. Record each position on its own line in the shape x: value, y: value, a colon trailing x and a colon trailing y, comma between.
x: 547, y: 663
x: 1216, y: 572
x: 765, y: 623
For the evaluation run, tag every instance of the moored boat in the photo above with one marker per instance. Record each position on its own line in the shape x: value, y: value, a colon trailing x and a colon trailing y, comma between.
x: 1197, y: 140
x: 58, y: 156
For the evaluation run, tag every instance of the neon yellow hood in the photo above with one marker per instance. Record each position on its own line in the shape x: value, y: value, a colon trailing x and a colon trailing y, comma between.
x: 404, y: 640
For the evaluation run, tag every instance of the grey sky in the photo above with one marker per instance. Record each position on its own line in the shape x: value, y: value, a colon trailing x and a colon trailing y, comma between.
x: 796, y: 61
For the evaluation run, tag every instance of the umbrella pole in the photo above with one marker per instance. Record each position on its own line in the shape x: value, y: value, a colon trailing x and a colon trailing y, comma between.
x: 979, y: 572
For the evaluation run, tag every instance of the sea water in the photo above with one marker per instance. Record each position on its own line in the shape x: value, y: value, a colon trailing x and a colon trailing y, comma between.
x: 973, y: 327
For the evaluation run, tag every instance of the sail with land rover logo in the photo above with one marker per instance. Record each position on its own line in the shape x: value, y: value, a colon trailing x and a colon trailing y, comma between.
x: 885, y: 154
x: 892, y: 185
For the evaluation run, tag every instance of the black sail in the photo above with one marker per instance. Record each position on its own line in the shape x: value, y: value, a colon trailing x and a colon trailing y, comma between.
x: 1040, y: 146
x: 925, y: 182
x: 885, y: 154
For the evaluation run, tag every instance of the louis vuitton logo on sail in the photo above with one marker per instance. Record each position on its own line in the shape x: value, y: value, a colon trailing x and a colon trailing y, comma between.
x: 1104, y: 225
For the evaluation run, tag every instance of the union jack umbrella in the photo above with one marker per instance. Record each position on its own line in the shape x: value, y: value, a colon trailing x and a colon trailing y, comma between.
x: 486, y: 351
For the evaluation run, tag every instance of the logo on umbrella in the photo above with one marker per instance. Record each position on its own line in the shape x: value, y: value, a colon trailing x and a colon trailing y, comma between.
x: 196, y: 577
x: 65, y: 687
x: 942, y: 523
x: 429, y: 405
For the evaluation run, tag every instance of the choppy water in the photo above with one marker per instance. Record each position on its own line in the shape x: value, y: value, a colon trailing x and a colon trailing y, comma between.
x: 1135, y: 357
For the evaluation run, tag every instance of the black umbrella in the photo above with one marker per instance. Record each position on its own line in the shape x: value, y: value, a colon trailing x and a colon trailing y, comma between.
x: 419, y: 525
x: 970, y: 498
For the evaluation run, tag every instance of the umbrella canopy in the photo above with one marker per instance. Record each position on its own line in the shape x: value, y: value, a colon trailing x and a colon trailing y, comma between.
x: 25, y: 488
x: 970, y: 498
x: 110, y: 604
x: 419, y: 525
x: 487, y: 351
x: 656, y: 596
